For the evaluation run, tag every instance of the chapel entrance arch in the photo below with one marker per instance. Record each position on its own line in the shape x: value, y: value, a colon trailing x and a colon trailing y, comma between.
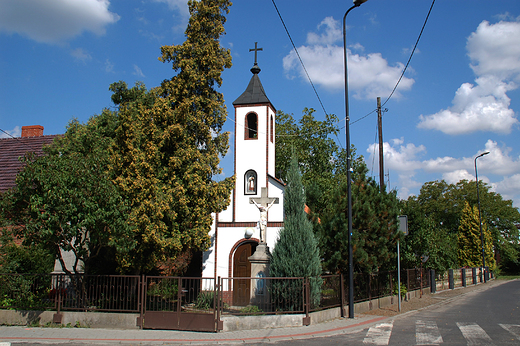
x: 242, y: 269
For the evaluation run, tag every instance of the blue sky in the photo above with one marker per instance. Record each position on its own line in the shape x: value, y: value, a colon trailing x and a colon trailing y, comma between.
x: 459, y: 97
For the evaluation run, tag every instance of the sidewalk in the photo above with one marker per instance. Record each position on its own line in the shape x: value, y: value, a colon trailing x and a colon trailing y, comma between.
x: 167, y: 337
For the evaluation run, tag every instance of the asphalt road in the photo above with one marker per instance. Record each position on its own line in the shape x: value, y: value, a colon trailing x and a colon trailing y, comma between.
x: 490, y: 317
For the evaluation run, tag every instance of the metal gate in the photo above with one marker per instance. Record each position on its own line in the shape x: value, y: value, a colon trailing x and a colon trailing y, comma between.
x: 179, y: 303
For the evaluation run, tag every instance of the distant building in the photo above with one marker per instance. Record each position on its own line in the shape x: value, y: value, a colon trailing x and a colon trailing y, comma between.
x: 13, y: 149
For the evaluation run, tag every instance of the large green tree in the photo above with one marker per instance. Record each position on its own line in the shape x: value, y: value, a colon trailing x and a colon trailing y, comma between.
x: 319, y: 157
x: 374, y: 225
x: 426, y: 240
x: 469, y: 252
x: 65, y: 200
x: 443, y: 203
x: 166, y: 154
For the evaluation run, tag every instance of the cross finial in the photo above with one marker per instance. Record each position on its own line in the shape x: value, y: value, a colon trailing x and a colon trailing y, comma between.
x: 256, y: 49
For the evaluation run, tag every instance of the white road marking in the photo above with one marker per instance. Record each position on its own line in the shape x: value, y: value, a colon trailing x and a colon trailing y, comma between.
x: 5, y: 344
x: 379, y: 334
x: 427, y: 333
x: 512, y: 328
x: 474, y: 335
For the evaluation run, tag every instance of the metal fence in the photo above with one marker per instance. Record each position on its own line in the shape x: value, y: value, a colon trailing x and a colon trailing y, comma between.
x: 213, y: 296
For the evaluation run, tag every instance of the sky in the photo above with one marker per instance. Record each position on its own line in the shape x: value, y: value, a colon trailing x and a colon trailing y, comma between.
x: 459, y: 97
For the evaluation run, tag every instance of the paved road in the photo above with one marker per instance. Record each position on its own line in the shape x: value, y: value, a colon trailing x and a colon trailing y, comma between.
x: 490, y: 317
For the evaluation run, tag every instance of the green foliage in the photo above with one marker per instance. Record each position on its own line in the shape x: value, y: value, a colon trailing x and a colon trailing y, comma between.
x: 318, y: 155
x: 374, y: 225
x: 296, y: 253
x: 251, y: 309
x: 443, y: 203
x: 20, y: 259
x: 65, y: 199
x: 205, y: 300
x: 426, y: 239
x: 469, y: 243
x: 168, y: 146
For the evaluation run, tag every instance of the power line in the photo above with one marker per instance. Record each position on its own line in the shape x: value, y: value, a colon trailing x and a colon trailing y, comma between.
x: 404, y: 70
x: 411, y: 55
x: 299, y: 57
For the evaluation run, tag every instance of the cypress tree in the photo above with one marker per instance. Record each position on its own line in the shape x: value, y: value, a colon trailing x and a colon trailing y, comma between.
x: 469, y: 251
x: 296, y: 253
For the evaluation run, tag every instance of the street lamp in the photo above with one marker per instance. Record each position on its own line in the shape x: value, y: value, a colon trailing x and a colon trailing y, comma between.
x: 357, y: 3
x: 480, y: 216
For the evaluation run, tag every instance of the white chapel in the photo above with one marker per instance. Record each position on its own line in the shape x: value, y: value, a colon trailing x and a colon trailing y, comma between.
x: 255, y: 214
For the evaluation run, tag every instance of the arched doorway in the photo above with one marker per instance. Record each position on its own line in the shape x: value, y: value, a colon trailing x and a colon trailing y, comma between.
x: 242, y: 269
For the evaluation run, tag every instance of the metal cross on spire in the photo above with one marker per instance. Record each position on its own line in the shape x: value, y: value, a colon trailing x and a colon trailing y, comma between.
x: 256, y: 49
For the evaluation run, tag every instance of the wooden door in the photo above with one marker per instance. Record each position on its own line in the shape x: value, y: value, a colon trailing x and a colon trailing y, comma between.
x: 242, y: 269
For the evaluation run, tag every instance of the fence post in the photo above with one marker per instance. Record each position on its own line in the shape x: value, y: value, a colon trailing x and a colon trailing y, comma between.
x: 450, y: 279
x: 141, y: 300
x: 57, y: 317
x: 342, y: 294
x: 219, y: 303
x: 433, y: 284
x: 463, y: 274
x: 306, y: 301
x: 391, y: 289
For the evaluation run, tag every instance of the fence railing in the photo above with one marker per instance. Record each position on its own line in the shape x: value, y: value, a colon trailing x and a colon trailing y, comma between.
x: 220, y: 296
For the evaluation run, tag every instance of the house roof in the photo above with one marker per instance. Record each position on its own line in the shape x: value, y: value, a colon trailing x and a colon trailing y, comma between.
x: 11, y: 150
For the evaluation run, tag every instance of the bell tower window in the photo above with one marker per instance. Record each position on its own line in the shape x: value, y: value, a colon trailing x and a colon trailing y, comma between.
x: 251, y: 126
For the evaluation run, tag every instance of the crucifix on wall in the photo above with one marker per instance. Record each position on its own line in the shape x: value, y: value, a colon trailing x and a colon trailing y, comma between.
x: 263, y: 204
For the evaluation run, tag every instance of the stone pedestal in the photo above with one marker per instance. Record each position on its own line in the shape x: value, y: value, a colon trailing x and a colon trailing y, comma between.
x: 260, y: 269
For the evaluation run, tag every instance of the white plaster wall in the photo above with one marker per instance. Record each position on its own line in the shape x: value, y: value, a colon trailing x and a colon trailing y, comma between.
x: 227, y: 215
x: 249, y: 154
x: 227, y: 238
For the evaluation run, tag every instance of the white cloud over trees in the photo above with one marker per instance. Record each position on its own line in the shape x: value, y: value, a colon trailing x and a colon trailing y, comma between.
x: 494, y: 50
x: 55, y: 21
x: 405, y: 159
x: 370, y: 75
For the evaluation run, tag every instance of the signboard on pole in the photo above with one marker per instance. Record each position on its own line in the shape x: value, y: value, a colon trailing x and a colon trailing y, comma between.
x: 403, y: 224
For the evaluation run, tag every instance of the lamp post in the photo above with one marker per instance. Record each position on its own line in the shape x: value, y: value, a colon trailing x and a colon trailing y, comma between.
x: 480, y: 216
x: 357, y: 3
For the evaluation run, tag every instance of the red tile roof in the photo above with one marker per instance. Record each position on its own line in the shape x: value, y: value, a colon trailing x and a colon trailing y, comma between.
x: 11, y: 149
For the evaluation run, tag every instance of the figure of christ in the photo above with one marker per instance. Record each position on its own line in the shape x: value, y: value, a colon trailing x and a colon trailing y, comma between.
x: 263, y: 218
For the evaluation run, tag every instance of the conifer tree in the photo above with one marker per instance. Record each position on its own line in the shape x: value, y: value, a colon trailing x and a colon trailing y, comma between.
x: 296, y: 253
x: 167, y: 153
x: 469, y: 251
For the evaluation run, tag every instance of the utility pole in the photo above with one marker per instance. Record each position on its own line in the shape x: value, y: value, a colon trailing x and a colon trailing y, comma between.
x: 380, y: 129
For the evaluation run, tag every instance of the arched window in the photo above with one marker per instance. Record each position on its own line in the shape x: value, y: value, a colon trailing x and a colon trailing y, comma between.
x: 250, y: 182
x: 271, y: 130
x: 251, y: 126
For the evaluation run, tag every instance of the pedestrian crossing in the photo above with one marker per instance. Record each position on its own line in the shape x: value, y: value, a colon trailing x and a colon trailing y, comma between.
x: 428, y: 333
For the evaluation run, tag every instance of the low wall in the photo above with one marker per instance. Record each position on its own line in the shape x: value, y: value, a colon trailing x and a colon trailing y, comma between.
x: 84, y: 319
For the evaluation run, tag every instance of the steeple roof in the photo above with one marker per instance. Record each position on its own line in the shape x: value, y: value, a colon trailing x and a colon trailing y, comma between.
x: 254, y: 93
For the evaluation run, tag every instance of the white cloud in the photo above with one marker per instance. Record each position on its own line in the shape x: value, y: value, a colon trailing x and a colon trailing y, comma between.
x: 404, y: 159
x: 494, y: 51
x: 16, y: 132
x: 109, y: 66
x: 138, y: 72
x: 81, y: 55
x: 177, y: 5
x: 370, y: 75
x: 509, y: 188
x: 458, y: 175
x: 55, y: 21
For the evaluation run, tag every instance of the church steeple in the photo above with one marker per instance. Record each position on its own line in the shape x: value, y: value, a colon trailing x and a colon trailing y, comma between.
x: 254, y: 93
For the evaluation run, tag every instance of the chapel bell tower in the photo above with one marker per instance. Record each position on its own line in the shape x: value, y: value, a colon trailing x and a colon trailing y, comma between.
x: 254, y: 147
